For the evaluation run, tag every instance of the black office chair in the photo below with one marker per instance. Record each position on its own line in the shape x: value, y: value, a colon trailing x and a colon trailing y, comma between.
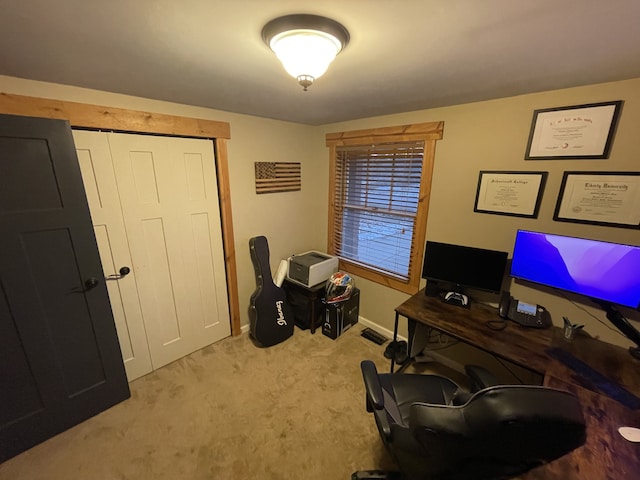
x: 435, y: 430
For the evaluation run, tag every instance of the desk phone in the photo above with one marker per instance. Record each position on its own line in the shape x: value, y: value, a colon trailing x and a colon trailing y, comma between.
x: 525, y: 314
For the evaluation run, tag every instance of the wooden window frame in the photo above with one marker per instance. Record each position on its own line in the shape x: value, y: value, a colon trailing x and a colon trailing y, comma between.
x: 429, y: 133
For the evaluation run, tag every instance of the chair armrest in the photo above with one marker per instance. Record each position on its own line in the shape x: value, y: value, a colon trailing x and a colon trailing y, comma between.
x: 372, y: 384
x: 480, y: 377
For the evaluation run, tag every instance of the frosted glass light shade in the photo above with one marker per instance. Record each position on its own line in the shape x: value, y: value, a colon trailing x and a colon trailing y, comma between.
x: 305, y: 52
x: 305, y: 44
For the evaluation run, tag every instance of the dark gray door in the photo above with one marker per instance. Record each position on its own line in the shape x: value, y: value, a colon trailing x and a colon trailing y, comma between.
x: 60, y: 361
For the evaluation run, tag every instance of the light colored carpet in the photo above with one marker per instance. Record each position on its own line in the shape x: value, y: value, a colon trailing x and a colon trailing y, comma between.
x: 229, y: 411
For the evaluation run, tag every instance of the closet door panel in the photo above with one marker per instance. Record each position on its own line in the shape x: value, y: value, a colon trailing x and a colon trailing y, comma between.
x: 101, y: 189
x: 170, y: 207
x: 201, y: 232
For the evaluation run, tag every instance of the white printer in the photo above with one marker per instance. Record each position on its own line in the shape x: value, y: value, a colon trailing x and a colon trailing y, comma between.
x: 311, y: 268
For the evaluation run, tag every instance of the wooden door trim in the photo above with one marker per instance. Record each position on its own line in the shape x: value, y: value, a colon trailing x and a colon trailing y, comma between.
x: 123, y: 120
x: 224, y: 192
x: 111, y: 118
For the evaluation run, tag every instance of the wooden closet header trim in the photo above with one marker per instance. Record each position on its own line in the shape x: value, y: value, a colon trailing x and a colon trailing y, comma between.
x: 110, y: 118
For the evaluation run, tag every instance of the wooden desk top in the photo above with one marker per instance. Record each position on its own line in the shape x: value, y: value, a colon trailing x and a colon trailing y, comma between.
x: 605, y: 455
x: 520, y: 345
x: 612, y: 361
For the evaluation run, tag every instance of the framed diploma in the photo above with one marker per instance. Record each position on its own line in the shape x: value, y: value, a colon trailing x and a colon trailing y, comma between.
x: 581, y: 131
x: 510, y: 193
x: 600, y: 198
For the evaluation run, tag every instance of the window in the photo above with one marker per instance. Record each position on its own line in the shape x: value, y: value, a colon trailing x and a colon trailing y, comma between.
x: 379, y: 194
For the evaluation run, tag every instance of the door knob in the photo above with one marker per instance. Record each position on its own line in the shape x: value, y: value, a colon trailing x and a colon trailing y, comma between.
x: 91, y: 283
x: 123, y: 272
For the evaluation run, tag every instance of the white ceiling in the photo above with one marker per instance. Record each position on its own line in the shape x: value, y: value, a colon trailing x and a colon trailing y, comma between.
x: 403, y: 55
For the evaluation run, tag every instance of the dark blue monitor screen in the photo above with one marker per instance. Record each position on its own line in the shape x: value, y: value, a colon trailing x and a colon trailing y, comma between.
x: 603, y: 271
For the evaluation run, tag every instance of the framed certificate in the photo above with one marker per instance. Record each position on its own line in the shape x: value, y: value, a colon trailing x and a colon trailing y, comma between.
x: 510, y: 193
x: 580, y: 131
x: 600, y: 198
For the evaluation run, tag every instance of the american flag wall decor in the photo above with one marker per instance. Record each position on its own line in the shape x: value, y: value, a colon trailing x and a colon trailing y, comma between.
x: 273, y: 177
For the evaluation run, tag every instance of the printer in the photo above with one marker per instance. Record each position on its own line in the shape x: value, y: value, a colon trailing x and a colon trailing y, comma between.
x: 311, y: 268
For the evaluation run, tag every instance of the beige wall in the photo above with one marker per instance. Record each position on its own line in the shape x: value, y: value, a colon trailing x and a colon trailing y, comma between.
x: 493, y: 135
x: 480, y: 136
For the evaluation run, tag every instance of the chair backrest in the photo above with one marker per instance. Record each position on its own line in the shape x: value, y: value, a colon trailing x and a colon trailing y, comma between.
x: 501, y: 431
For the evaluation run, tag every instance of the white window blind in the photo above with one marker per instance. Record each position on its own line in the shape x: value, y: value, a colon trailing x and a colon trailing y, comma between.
x: 376, y: 199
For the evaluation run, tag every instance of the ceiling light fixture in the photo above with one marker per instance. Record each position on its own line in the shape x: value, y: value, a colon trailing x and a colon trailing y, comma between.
x: 305, y: 44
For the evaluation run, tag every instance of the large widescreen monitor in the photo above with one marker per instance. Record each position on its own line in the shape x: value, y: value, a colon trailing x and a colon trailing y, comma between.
x: 604, y: 271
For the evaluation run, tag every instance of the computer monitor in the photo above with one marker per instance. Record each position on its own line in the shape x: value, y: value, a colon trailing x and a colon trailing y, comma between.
x: 605, y: 272
x: 455, y: 268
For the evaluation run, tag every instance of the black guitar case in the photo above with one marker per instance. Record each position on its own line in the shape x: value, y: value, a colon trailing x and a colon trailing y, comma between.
x: 270, y: 317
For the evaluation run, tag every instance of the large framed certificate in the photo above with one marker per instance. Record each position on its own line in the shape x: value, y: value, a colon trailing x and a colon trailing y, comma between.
x: 580, y: 131
x: 510, y: 193
x: 600, y: 198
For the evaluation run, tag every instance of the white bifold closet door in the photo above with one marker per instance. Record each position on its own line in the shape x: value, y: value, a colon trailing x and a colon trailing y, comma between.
x: 155, y: 208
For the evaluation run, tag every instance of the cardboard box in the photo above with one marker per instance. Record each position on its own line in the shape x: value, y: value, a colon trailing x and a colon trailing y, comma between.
x: 339, y: 317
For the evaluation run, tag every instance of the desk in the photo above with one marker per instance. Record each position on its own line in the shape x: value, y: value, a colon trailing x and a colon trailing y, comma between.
x: 605, y: 455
